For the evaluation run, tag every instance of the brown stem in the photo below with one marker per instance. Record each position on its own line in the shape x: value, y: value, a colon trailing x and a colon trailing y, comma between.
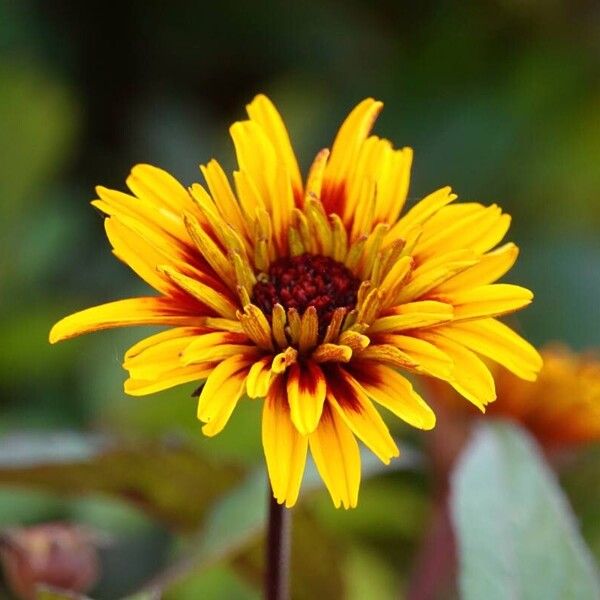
x: 278, y: 551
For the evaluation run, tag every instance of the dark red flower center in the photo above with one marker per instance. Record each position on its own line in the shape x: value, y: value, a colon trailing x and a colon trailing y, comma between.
x: 307, y: 280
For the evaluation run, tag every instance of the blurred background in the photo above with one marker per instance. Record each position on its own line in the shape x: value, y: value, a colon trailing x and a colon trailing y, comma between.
x: 499, y: 99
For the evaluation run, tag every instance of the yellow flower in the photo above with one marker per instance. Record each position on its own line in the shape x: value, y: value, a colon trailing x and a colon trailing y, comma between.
x: 563, y: 406
x: 315, y: 296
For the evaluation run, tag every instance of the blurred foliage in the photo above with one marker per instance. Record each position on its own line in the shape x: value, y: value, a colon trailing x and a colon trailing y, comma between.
x: 500, y: 99
x: 513, y: 523
x: 136, y: 472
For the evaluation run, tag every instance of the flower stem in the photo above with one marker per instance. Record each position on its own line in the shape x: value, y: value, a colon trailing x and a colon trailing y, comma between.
x: 278, y: 551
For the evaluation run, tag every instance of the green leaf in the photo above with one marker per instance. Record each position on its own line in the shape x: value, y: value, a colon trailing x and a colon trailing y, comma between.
x: 517, y: 536
x: 170, y: 480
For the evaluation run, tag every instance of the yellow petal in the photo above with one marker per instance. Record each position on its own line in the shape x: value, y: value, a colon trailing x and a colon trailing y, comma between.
x: 470, y: 377
x: 387, y: 354
x: 488, y: 300
x: 256, y: 326
x: 491, y: 266
x: 427, y: 357
x: 162, y: 211
x: 284, y: 359
x: 394, y: 280
x: 161, y: 352
x: 262, y: 111
x: 282, y: 207
x: 285, y: 448
x: 223, y: 196
x: 387, y: 387
x: 306, y: 390
x: 216, y: 346
x: 420, y: 213
x: 432, y: 273
x: 212, y: 298
x: 351, y: 403
x: 213, y: 255
x: 123, y: 313
x: 221, y: 392
x: 137, y: 253
x: 221, y: 324
x: 256, y: 157
x: 392, y: 189
x: 167, y: 379
x: 309, y: 330
x: 314, y: 180
x: 354, y: 340
x: 413, y: 315
x: 498, y: 342
x: 168, y: 334
x: 351, y: 135
x: 479, y: 230
x: 159, y: 247
x: 337, y: 457
x: 259, y: 378
x: 332, y: 353
x: 278, y: 323
x: 159, y: 188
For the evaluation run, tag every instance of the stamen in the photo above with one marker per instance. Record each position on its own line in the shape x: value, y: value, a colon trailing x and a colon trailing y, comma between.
x: 307, y: 280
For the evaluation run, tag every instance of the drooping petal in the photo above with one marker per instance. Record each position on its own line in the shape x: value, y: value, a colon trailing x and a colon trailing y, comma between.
x: 154, y: 363
x: 285, y: 448
x: 500, y: 343
x: 306, y: 388
x: 352, y: 404
x: 428, y: 358
x: 337, y: 457
x: 221, y: 392
x: 470, y: 377
x: 393, y: 391
x: 123, y: 313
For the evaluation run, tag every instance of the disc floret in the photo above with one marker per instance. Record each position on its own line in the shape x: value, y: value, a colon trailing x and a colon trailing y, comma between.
x: 298, y: 282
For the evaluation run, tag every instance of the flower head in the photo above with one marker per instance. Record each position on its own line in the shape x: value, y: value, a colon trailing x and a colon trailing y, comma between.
x: 562, y: 407
x: 318, y: 296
